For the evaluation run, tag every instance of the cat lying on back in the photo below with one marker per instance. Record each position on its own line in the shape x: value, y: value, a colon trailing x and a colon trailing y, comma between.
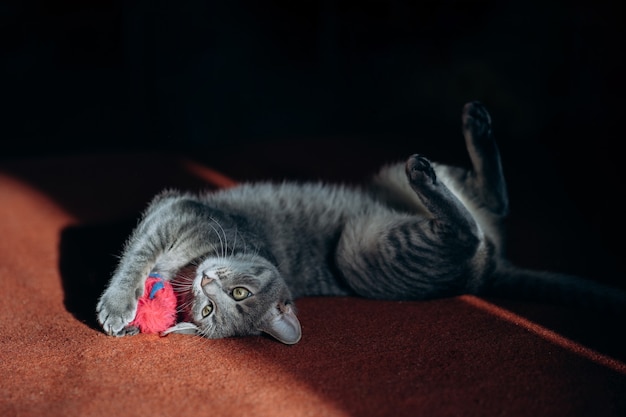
x: 239, y: 257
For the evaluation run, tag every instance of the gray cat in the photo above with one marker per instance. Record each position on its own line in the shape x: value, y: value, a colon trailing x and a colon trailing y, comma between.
x: 239, y: 257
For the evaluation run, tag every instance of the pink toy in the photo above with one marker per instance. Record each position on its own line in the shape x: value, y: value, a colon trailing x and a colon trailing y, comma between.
x: 156, y: 309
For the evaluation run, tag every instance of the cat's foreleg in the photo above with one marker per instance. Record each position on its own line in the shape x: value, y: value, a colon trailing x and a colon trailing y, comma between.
x: 117, y: 306
x: 154, y: 245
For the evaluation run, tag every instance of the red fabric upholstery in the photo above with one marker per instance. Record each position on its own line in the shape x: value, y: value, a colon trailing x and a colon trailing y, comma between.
x: 62, y: 221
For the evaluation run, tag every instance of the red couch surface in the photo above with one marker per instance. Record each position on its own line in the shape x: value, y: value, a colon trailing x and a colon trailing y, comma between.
x: 61, y: 222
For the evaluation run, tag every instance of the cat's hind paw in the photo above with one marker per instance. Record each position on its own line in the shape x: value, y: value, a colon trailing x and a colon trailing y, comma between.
x: 476, y: 121
x: 419, y: 170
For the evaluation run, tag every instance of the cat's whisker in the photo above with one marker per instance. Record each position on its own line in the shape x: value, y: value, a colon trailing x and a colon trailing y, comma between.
x: 219, y: 237
x: 183, y: 292
x: 183, y: 279
x: 181, y: 287
x: 215, y: 251
x: 204, y: 333
x: 245, y: 246
x: 224, y: 242
x: 225, y: 248
x: 232, y: 252
x: 182, y: 309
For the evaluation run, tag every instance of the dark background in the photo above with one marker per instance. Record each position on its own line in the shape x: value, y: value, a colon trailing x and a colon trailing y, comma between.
x: 307, y: 78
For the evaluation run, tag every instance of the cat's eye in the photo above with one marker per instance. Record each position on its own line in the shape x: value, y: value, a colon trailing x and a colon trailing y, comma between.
x: 239, y: 293
x: 208, y: 309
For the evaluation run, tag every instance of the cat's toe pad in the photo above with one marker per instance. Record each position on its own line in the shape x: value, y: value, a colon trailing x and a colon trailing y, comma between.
x: 419, y: 169
x: 476, y: 119
x: 115, y: 312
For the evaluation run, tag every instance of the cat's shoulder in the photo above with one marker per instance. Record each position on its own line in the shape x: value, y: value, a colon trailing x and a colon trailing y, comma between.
x: 169, y: 194
x: 168, y: 198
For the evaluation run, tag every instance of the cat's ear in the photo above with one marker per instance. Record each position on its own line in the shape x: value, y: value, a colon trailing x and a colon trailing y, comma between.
x: 282, y: 324
x: 182, y: 328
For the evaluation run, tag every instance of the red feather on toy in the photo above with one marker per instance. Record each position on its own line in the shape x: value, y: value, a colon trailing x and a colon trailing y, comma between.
x: 156, y: 309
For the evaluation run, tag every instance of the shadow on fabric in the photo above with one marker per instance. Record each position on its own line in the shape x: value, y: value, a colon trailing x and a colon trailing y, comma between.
x: 87, y: 259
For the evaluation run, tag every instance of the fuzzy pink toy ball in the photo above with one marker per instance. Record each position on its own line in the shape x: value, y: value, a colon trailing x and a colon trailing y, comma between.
x: 156, y: 309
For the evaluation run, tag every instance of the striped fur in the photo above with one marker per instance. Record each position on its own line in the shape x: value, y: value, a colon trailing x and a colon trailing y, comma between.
x: 419, y: 231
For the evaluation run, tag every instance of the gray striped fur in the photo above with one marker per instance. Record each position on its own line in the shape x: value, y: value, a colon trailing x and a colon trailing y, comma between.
x: 421, y: 230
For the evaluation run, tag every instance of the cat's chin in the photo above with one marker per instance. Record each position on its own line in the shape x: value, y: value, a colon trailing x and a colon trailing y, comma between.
x: 182, y: 328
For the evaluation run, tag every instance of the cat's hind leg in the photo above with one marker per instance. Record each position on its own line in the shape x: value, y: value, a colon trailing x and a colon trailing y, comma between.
x: 485, y: 156
x: 393, y: 255
x: 485, y: 180
x: 448, y: 215
x: 482, y: 187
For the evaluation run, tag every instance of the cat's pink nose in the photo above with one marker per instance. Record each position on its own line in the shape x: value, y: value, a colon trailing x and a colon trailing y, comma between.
x: 206, y: 280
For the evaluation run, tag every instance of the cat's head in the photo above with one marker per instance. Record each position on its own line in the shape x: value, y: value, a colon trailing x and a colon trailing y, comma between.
x: 238, y: 295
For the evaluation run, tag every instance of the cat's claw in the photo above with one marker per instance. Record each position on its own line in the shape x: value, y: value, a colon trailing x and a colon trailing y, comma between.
x: 419, y: 169
x: 129, y: 331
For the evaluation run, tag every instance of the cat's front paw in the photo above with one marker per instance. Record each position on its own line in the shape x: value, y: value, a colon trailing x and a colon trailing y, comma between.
x: 419, y: 170
x: 116, y: 310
